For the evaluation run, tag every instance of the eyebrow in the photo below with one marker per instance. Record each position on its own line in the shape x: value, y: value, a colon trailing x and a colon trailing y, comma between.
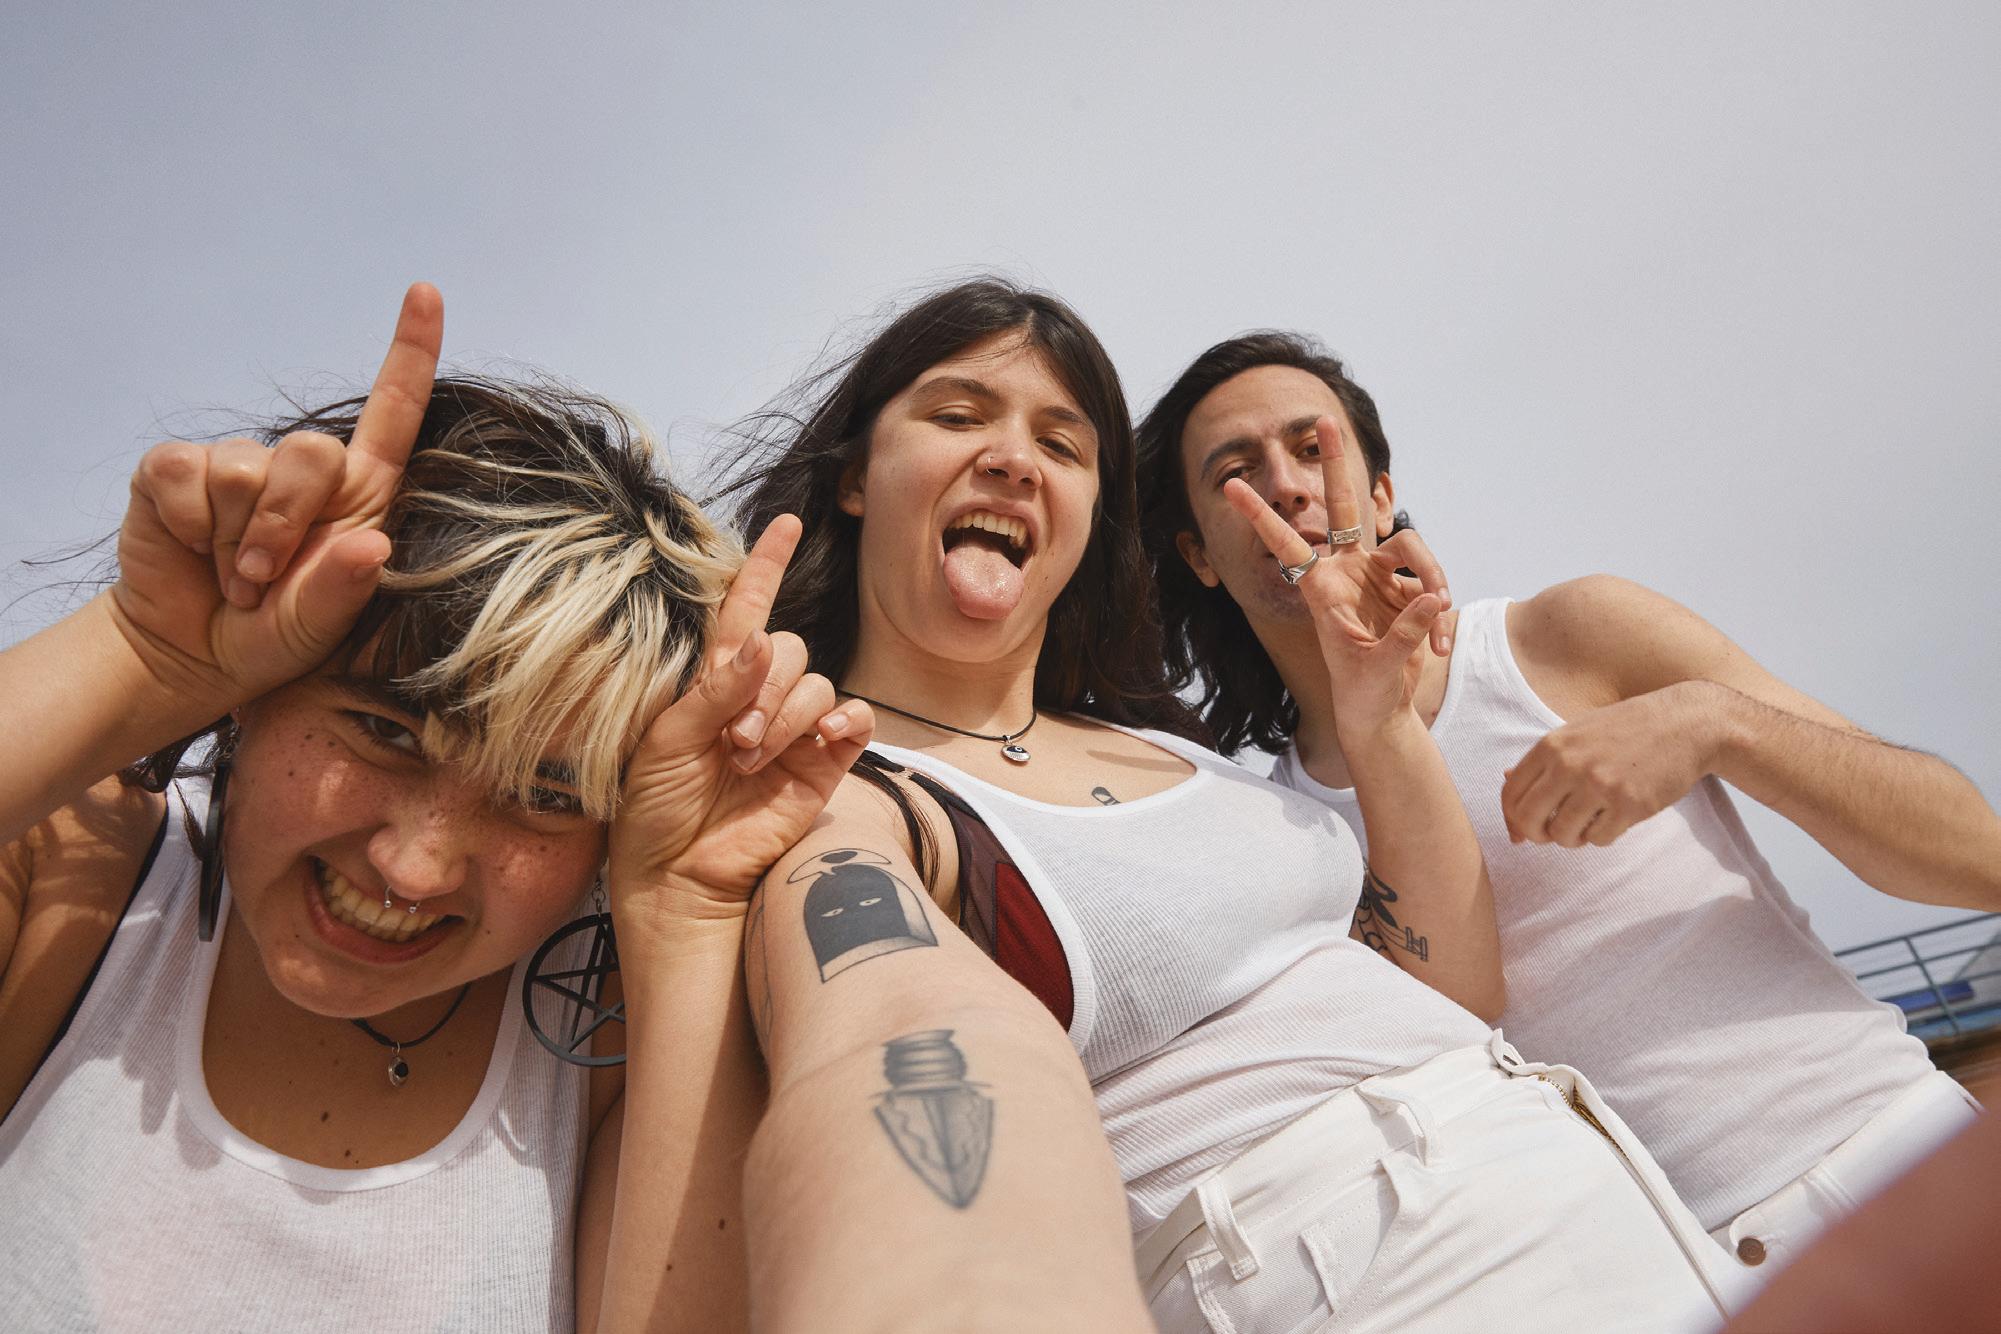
x: 377, y: 691
x: 981, y: 390
x: 1245, y: 444
x: 385, y: 695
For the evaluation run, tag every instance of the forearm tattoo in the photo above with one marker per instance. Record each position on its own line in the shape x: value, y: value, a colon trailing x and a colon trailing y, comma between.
x: 941, y: 1125
x: 1377, y: 923
x: 856, y: 911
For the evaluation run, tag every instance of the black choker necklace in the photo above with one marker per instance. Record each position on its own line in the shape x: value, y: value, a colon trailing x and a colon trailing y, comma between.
x: 399, y: 1069
x: 1009, y: 743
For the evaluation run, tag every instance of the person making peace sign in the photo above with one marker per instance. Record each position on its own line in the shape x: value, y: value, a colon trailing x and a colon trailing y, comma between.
x: 435, y: 641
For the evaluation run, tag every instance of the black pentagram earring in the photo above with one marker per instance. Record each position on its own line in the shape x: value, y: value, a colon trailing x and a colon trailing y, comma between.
x: 578, y: 1013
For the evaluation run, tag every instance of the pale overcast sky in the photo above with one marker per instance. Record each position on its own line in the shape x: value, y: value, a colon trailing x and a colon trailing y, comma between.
x: 1705, y: 294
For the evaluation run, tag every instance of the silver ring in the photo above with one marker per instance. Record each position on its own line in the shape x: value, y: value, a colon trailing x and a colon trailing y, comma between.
x: 1292, y: 574
x: 1342, y: 537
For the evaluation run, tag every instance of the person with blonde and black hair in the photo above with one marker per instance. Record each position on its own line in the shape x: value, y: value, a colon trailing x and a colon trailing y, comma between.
x: 261, y: 1050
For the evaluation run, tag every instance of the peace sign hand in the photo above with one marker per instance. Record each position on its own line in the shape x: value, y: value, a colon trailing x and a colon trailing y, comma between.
x: 727, y: 778
x: 242, y: 566
x: 1370, y: 620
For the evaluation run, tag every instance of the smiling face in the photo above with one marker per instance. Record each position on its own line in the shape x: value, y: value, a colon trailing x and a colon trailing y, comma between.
x: 976, y: 499
x: 1258, y: 426
x: 332, y: 802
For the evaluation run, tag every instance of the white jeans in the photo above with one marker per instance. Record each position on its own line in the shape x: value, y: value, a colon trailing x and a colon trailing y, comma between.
x: 1463, y: 1194
x: 1770, y: 1234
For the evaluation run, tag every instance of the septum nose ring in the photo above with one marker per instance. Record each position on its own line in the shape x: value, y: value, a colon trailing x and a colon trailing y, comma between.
x: 386, y: 894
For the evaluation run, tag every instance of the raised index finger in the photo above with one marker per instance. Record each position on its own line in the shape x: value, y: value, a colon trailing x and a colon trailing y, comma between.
x: 1343, y: 510
x: 747, y: 606
x: 402, y: 389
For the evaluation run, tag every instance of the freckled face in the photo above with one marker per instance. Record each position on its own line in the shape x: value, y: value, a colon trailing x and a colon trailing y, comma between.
x: 1258, y: 426
x: 330, y: 802
x: 976, y: 503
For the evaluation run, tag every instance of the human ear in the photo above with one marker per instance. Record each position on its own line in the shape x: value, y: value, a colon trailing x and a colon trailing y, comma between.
x: 849, y: 494
x: 1384, y: 493
x: 1190, y: 547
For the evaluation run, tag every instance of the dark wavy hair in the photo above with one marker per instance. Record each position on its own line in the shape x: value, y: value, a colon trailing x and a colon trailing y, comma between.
x: 1101, y: 656
x: 1208, y: 642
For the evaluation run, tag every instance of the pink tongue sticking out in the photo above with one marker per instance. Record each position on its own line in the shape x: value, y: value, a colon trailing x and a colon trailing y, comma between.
x: 984, y: 583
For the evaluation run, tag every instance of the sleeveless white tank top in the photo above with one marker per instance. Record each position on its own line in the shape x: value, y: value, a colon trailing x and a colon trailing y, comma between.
x: 1217, y: 994
x: 1671, y: 967
x: 131, y: 1204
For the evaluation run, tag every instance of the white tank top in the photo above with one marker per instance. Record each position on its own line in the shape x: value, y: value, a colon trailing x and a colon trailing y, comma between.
x: 1671, y: 967
x: 131, y: 1204
x: 1217, y: 994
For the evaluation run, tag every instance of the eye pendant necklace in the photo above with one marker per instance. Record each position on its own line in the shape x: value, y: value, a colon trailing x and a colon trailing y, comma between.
x: 1010, y: 742
x: 399, y: 1069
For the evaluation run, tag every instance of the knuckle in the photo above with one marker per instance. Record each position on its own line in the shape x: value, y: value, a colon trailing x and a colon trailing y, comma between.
x: 172, y: 463
x: 312, y: 455
x: 235, y: 473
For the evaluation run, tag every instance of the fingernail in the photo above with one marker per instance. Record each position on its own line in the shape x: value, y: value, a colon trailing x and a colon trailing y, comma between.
x: 241, y: 592
x: 750, y: 727
x: 744, y: 760
x: 835, y: 725
x: 364, y: 573
x: 1445, y: 644
x: 748, y: 653
x: 1445, y: 596
x: 203, y: 547
x: 255, y: 564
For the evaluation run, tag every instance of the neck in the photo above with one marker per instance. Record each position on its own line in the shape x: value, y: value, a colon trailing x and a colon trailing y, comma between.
x: 995, y: 696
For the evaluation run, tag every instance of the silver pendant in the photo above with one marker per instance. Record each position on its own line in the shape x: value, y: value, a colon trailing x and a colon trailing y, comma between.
x: 399, y: 1070
x: 1015, y: 751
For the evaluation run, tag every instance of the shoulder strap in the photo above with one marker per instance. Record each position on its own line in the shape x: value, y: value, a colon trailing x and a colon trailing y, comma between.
x: 999, y: 910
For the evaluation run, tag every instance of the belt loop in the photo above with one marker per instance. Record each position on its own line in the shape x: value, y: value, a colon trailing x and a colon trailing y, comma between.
x: 1387, y: 1097
x: 1231, y: 1243
x: 1505, y: 1055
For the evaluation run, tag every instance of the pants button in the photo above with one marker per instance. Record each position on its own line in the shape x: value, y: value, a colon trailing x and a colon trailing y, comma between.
x: 1751, y: 1251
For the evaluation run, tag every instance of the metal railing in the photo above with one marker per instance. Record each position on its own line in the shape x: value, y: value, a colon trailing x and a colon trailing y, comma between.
x: 1946, y: 979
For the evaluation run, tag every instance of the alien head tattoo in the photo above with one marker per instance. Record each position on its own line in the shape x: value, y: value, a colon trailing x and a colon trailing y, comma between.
x: 856, y: 911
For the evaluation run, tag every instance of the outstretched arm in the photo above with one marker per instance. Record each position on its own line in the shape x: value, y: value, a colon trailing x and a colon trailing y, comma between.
x: 932, y: 1158
x: 1679, y: 701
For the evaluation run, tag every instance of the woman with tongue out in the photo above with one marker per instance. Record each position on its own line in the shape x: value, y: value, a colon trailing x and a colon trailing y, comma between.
x: 264, y: 1062
x: 1310, y: 1122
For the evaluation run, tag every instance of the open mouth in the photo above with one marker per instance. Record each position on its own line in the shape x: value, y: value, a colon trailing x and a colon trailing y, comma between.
x: 365, y: 913
x: 998, y: 533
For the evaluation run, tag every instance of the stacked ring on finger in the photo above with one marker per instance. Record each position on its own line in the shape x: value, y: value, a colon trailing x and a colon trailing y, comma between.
x: 1342, y: 537
x: 1292, y: 574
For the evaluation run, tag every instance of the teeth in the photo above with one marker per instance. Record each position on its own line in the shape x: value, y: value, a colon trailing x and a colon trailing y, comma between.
x: 348, y: 905
x: 1014, y: 530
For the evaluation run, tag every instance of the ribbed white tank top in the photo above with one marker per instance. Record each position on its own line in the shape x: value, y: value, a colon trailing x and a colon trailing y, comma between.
x: 131, y: 1204
x: 1217, y: 992
x: 1671, y: 967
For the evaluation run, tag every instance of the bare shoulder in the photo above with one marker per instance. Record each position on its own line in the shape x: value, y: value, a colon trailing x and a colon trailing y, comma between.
x: 1600, y: 639
x: 63, y: 887
x: 77, y: 857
